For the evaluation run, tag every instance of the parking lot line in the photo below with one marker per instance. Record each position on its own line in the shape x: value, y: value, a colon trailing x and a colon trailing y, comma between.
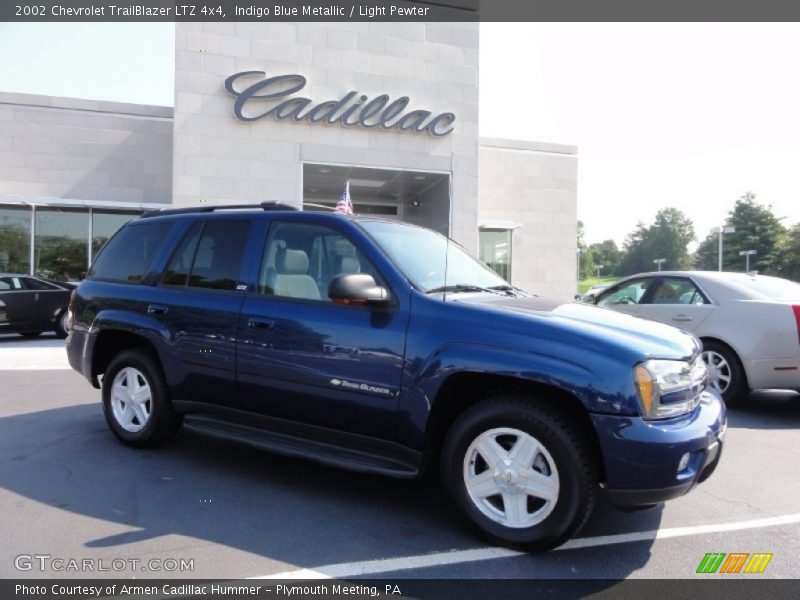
x: 386, y: 565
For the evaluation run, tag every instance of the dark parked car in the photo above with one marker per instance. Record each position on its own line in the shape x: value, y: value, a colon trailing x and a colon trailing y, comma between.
x: 386, y: 348
x: 32, y: 305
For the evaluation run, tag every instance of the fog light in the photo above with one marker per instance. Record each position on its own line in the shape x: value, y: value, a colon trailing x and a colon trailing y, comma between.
x: 684, y: 462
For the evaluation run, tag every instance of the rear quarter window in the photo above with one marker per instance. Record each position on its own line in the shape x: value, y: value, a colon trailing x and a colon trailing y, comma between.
x: 127, y: 255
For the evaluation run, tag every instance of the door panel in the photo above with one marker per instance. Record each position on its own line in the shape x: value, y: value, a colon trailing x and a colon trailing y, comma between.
x: 677, y: 301
x: 18, y: 304
x: 49, y: 299
x: 302, y: 357
x: 323, y: 364
x: 199, y: 303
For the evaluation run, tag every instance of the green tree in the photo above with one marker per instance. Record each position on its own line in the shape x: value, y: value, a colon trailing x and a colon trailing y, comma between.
x: 586, y: 255
x: 668, y: 238
x: 757, y: 228
x: 785, y: 261
x: 608, y: 254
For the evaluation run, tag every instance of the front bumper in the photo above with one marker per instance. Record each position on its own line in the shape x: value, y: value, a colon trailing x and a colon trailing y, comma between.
x: 642, y: 458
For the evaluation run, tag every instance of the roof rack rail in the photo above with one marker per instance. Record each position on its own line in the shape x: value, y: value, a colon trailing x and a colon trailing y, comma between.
x: 268, y: 205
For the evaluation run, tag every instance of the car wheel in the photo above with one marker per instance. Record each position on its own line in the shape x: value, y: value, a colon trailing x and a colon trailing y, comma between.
x: 725, y: 372
x: 520, y: 472
x: 62, y: 324
x: 136, y: 400
x: 31, y: 334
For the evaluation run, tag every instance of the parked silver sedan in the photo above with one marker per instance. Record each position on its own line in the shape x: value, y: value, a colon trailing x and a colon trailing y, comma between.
x: 749, y: 324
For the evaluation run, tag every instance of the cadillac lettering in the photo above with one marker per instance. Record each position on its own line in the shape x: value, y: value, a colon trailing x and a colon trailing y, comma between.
x: 274, y: 97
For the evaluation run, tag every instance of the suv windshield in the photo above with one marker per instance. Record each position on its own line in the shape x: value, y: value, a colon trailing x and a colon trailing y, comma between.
x: 430, y: 260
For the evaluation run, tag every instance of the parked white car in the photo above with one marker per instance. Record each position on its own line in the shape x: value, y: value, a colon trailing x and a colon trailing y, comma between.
x: 749, y: 324
x: 592, y: 293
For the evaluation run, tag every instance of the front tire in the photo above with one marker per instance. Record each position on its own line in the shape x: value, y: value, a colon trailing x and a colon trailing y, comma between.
x: 520, y: 472
x: 136, y: 400
x: 726, y: 372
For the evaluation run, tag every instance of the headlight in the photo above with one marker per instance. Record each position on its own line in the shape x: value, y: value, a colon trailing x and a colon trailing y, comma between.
x: 669, y: 388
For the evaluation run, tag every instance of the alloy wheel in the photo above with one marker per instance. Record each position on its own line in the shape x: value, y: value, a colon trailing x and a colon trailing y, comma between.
x: 511, y: 477
x: 131, y: 399
x: 719, y: 370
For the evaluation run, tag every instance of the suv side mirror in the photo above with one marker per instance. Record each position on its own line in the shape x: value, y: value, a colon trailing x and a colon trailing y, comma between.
x: 356, y: 288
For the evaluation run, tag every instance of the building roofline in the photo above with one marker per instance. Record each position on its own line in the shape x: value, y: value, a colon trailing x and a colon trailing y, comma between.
x: 85, y: 105
x: 525, y: 145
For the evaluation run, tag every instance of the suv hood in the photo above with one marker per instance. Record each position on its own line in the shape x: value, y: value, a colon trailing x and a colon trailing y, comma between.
x: 648, y: 338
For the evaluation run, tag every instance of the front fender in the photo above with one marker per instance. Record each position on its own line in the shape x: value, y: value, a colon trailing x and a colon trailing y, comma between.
x: 588, y: 377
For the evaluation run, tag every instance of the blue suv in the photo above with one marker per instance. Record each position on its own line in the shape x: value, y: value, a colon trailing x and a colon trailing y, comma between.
x: 382, y: 347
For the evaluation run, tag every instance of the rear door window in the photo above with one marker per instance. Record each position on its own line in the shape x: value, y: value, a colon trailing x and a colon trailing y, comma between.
x: 34, y: 284
x: 180, y: 265
x: 677, y: 290
x: 219, y: 254
x: 127, y: 255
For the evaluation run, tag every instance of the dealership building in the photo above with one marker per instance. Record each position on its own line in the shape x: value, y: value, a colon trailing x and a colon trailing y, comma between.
x: 292, y: 112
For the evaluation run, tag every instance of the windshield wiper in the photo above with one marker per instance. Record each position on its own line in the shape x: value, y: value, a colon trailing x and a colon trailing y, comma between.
x: 462, y: 287
x: 507, y: 288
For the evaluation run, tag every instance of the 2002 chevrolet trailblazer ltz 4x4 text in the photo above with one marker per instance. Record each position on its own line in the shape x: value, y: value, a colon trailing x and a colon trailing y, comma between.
x: 383, y: 347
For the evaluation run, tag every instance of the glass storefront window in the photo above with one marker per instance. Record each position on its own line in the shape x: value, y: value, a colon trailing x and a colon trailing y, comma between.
x: 104, y: 225
x: 61, y: 243
x: 495, y: 251
x: 15, y: 239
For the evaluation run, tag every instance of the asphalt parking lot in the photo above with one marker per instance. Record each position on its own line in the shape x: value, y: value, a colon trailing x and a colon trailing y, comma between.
x: 69, y: 490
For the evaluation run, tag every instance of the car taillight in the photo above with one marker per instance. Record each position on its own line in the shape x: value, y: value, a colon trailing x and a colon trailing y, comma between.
x: 796, y: 311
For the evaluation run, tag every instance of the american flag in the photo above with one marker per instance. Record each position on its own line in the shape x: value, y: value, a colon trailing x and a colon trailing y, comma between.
x: 344, y: 204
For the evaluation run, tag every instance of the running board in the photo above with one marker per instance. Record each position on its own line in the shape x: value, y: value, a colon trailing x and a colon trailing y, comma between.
x: 348, y: 451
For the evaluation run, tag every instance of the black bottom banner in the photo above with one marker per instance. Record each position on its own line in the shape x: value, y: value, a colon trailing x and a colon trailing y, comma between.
x: 362, y: 589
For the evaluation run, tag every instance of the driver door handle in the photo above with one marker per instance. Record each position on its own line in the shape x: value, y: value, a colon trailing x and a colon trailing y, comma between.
x: 260, y: 323
x: 682, y: 318
x: 157, y: 309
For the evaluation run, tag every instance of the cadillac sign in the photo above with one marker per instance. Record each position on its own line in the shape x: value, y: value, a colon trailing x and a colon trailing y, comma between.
x: 258, y: 96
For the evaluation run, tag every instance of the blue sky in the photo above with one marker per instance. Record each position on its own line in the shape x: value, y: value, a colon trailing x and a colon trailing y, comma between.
x: 685, y: 115
x: 104, y: 61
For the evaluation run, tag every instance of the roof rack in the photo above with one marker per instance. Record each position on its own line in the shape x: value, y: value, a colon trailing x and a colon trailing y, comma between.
x: 269, y: 205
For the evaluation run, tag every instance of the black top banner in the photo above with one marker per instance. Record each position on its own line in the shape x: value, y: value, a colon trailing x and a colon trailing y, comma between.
x: 398, y: 10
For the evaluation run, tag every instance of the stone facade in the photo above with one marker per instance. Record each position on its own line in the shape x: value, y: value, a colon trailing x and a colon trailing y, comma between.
x: 533, y: 185
x: 59, y: 151
x: 220, y: 159
x: 69, y: 149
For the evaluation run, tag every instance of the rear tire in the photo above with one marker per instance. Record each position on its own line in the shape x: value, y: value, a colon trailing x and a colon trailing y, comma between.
x: 726, y: 372
x: 136, y: 400
x: 542, y: 484
x: 62, y: 324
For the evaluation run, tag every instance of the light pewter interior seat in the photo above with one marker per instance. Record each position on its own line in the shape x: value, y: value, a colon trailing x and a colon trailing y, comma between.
x: 292, y: 278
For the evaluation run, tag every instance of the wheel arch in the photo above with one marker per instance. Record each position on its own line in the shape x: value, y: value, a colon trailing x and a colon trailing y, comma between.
x: 460, y: 391
x: 110, y: 342
x: 716, y: 340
